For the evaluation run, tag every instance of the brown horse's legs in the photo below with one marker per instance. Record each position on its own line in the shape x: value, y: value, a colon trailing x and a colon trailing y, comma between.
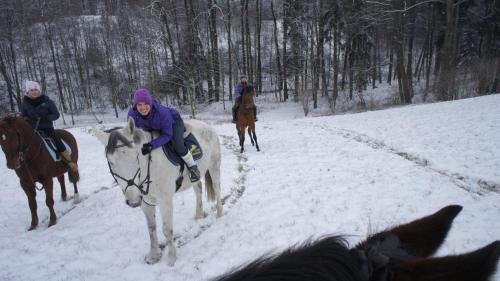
x: 250, y: 135
x: 49, y: 200
x: 64, y: 195
x: 30, y: 191
x: 241, y: 134
x: 253, y: 136
x: 75, y: 188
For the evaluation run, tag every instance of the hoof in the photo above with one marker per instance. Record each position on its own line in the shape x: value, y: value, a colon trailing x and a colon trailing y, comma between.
x: 52, y: 222
x: 172, y: 256
x: 200, y: 216
x: 76, y: 198
x: 152, y: 257
x: 64, y: 198
x: 171, y: 261
x: 32, y: 227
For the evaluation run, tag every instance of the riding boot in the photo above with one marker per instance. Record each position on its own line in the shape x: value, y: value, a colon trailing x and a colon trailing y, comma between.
x: 66, y: 158
x: 255, y: 113
x: 194, y: 173
x: 234, y: 113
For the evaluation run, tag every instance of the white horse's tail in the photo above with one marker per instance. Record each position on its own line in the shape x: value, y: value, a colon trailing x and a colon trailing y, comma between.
x: 209, y: 185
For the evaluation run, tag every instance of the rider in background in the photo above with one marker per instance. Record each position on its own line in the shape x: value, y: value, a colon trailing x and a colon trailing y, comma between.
x: 242, y: 87
x: 40, y: 112
x: 149, y: 114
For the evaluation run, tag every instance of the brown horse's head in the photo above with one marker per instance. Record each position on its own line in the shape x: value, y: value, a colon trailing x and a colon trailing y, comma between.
x: 13, y: 140
x: 247, y: 99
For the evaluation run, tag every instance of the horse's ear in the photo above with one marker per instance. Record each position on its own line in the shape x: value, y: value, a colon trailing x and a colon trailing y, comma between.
x: 102, y: 136
x: 421, y: 237
x: 479, y: 265
x: 130, y: 128
x: 424, y: 236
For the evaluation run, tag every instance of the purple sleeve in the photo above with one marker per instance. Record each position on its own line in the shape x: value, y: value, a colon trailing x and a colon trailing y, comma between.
x: 237, y: 91
x: 166, y: 132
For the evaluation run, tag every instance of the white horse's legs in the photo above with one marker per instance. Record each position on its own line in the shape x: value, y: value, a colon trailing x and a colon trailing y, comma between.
x: 199, y: 202
x: 166, y: 208
x: 154, y: 254
x: 215, y: 173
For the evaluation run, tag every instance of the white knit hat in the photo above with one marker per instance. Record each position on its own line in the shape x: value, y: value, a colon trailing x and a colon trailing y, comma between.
x: 30, y: 85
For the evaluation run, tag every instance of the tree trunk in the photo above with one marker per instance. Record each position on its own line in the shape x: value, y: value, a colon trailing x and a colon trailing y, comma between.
x: 278, y: 57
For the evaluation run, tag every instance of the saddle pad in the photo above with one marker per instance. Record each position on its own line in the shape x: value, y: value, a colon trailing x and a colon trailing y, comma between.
x: 51, y: 148
x: 192, y: 145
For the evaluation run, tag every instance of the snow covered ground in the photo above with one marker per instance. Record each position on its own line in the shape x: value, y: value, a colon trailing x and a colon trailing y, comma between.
x: 353, y: 174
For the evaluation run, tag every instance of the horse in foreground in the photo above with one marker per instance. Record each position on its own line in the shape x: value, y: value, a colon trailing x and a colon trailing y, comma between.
x: 245, y: 118
x: 398, y: 254
x: 27, y: 155
x: 150, y: 180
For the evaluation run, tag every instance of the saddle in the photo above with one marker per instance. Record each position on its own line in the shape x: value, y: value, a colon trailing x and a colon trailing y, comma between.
x: 51, y: 146
x: 192, y: 145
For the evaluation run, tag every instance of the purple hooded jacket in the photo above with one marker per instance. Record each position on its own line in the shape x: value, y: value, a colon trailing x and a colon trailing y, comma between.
x: 238, y: 90
x: 161, y: 119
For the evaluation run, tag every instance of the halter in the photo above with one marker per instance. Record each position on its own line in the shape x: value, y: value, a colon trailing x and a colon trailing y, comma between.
x: 131, y: 182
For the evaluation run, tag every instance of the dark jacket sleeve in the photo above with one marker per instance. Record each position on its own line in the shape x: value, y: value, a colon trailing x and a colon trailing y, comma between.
x: 53, y: 113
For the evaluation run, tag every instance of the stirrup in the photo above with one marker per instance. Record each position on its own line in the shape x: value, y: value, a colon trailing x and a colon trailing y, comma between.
x: 194, y: 173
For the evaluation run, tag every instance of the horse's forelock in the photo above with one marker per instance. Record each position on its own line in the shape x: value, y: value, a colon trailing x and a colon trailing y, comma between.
x: 114, y: 137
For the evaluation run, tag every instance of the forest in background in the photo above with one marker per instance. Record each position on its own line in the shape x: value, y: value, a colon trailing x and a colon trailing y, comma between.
x: 90, y: 55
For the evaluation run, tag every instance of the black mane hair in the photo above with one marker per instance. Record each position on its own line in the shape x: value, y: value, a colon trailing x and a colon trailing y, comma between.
x: 327, y: 258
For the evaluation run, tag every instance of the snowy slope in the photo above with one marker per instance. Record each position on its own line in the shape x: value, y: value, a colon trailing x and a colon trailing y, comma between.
x: 351, y: 174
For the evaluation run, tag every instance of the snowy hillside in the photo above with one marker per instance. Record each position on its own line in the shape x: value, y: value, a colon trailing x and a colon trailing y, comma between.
x: 352, y: 174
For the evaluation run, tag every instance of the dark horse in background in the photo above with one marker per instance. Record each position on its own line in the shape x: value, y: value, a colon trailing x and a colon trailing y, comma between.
x: 27, y: 155
x: 246, y: 118
x: 398, y: 254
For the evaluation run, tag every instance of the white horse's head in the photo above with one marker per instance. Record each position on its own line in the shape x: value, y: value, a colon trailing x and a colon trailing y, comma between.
x: 123, y: 152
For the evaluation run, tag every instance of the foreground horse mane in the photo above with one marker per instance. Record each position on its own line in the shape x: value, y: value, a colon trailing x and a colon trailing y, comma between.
x: 397, y: 254
x: 322, y: 259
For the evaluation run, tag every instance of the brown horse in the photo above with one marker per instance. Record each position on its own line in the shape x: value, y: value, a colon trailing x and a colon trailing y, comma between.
x: 402, y: 253
x: 28, y: 156
x: 245, y: 118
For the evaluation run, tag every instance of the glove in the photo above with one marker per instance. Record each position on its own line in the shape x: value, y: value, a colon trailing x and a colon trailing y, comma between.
x: 146, y: 148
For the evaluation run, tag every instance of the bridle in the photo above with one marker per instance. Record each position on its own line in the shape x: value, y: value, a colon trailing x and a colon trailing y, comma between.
x: 131, y: 182
x: 246, y: 101
x: 22, y: 149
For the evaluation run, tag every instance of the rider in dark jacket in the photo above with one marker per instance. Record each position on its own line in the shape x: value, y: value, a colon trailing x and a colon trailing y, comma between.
x: 40, y: 111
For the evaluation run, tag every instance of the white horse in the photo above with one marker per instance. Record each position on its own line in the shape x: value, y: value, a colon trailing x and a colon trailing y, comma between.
x: 149, y: 180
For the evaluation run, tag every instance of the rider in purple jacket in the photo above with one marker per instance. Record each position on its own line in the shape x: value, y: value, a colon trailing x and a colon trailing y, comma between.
x: 239, y: 89
x: 149, y: 114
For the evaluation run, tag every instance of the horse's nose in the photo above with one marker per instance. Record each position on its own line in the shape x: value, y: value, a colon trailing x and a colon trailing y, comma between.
x: 13, y: 165
x: 133, y: 205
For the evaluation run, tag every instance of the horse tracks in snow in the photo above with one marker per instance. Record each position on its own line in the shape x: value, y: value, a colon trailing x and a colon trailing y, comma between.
x: 474, y: 185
